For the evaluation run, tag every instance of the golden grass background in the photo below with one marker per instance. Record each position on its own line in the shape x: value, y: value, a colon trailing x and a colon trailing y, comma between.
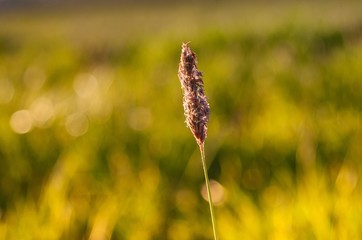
x: 93, y: 143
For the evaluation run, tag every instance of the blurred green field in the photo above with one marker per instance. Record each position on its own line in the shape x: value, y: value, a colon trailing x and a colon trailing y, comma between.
x: 93, y: 143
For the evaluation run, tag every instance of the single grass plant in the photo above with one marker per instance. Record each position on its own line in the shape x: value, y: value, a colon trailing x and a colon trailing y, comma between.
x: 196, y: 110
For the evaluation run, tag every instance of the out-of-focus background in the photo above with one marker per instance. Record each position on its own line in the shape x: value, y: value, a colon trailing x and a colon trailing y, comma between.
x: 93, y: 143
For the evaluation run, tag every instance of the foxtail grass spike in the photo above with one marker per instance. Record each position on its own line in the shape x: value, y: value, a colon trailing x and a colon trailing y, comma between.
x: 196, y: 107
x: 196, y: 110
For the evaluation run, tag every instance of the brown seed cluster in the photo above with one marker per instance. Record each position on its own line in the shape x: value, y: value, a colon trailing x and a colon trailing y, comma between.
x: 196, y: 107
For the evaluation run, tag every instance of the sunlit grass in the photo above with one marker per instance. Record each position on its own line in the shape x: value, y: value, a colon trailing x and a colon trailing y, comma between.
x: 93, y: 144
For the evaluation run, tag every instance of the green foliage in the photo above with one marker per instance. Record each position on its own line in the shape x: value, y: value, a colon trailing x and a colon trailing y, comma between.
x: 93, y: 143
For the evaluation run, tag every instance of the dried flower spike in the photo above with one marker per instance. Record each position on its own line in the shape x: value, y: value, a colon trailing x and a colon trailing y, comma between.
x: 196, y: 107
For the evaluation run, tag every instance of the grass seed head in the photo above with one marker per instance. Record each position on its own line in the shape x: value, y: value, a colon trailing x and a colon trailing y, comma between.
x: 196, y: 107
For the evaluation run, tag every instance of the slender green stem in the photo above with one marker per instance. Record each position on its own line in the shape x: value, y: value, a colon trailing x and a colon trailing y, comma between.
x: 208, y: 189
